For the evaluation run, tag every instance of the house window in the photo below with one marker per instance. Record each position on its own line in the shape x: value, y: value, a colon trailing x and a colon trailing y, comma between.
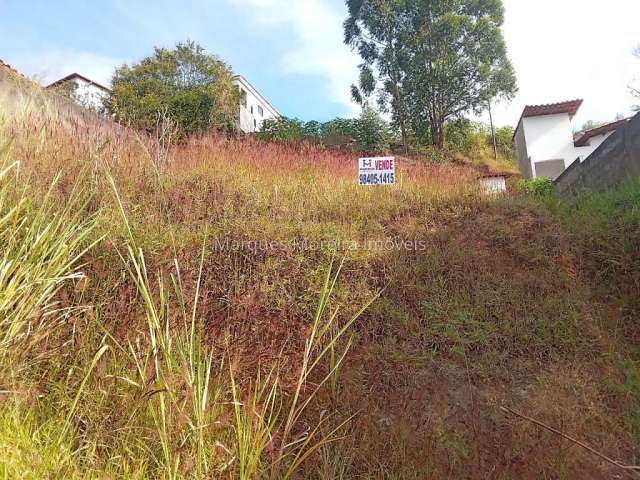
x: 260, y: 111
x: 252, y: 109
x: 255, y: 123
x: 243, y: 98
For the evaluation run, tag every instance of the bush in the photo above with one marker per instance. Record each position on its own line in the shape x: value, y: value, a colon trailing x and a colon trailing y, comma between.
x: 540, y: 187
x: 474, y: 139
x: 504, y: 142
x: 282, y: 129
x: 368, y: 133
x: 465, y: 136
x: 190, y: 87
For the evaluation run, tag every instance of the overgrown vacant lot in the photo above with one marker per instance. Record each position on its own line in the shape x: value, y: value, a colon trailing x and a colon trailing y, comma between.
x: 199, y: 332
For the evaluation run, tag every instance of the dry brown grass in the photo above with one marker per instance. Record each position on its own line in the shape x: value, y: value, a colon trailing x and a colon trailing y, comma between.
x: 490, y: 309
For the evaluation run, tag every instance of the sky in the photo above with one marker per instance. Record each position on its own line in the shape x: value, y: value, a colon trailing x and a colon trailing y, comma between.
x: 292, y: 50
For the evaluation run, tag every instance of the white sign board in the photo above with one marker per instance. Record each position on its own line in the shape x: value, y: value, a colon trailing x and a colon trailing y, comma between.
x: 377, y: 171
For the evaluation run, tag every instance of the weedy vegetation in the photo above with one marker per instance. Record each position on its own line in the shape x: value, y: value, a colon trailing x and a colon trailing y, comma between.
x: 227, y: 308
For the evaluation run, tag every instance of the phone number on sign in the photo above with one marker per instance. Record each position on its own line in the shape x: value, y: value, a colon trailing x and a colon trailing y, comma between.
x: 377, y: 178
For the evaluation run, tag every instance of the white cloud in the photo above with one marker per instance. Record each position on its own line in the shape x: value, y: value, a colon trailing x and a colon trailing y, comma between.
x: 50, y: 65
x: 318, y: 49
x: 561, y: 49
x: 567, y: 49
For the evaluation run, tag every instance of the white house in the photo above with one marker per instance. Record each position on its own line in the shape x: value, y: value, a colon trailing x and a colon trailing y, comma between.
x: 87, y: 92
x: 254, y: 108
x: 545, y: 145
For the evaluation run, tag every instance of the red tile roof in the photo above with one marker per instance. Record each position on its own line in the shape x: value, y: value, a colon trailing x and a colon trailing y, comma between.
x: 570, y: 107
x: 584, y: 138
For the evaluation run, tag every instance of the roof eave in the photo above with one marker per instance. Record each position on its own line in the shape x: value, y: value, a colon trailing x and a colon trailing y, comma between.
x: 74, y: 75
x: 242, y: 79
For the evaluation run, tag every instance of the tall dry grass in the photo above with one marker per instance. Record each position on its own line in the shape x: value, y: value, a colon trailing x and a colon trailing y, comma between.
x: 158, y: 392
x: 153, y: 402
x: 206, y: 332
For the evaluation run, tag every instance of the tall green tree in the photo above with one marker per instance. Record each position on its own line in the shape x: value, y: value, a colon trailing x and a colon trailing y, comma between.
x: 184, y: 85
x: 434, y: 60
x: 377, y: 30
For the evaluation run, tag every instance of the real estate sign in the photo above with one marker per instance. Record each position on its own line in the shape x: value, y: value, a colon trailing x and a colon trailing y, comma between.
x: 377, y: 171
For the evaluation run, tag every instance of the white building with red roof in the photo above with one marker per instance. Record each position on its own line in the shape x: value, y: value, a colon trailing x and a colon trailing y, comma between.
x: 544, y: 140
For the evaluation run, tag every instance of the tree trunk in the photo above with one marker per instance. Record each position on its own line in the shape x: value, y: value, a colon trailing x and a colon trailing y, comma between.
x: 437, y: 134
x: 403, y: 134
x: 493, y: 133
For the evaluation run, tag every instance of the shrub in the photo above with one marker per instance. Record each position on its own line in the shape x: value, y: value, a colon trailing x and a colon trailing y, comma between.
x: 474, y: 139
x: 283, y: 129
x: 504, y: 142
x: 466, y: 136
x: 540, y: 187
x: 368, y: 133
x: 192, y: 87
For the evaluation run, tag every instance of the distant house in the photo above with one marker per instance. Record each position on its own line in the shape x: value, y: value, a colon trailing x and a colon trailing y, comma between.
x: 87, y: 92
x: 254, y: 108
x: 545, y: 145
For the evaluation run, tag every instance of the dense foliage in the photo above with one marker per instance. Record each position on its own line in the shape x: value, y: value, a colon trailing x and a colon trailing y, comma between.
x: 367, y: 133
x: 538, y: 187
x: 429, y: 61
x: 185, y: 86
x: 474, y: 139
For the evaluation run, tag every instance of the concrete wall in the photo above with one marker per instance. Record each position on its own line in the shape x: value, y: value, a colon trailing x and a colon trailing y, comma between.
x: 549, y: 168
x: 615, y: 160
x: 521, y: 152
x: 592, y: 145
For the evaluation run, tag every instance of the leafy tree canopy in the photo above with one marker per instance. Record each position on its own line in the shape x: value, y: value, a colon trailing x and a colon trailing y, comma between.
x: 186, y: 85
x: 368, y: 133
x: 430, y: 61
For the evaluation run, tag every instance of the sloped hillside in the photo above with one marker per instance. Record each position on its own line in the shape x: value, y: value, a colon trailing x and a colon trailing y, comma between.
x: 183, y: 341
x: 20, y: 96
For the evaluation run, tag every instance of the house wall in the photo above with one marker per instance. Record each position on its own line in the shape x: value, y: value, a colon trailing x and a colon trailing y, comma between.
x: 254, y: 110
x: 548, y: 142
x: 545, y: 145
x: 549, y: 137
x: 89, y: 95
x: 594, y: 143
x: 617, y: 159
x: 521, y: 152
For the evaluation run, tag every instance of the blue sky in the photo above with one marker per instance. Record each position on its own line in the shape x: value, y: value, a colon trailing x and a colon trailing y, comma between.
x: 292, y: 50
x: 262, y: 39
